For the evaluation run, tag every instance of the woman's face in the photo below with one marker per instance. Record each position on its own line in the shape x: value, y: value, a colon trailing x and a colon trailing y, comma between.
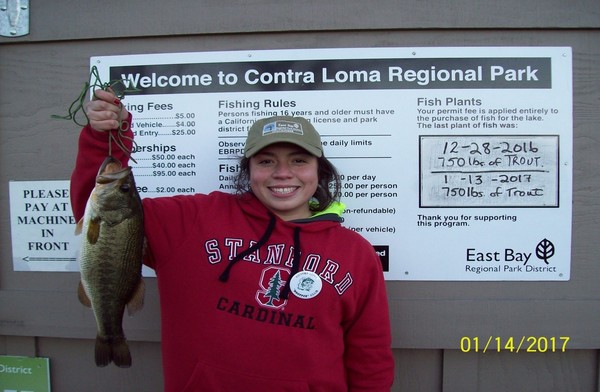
x: 284, y: 177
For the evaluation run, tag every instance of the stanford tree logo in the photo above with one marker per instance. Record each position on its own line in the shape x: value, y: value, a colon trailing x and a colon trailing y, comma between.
x: 271, y: 282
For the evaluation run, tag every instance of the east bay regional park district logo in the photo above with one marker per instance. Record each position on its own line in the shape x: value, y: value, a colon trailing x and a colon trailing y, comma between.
x: 544, y: 251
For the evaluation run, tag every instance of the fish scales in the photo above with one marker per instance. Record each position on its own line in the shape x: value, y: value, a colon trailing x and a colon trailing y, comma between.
x: 111, y: 259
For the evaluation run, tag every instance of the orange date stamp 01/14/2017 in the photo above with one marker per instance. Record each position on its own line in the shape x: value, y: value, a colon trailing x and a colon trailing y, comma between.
x: 527, y: 344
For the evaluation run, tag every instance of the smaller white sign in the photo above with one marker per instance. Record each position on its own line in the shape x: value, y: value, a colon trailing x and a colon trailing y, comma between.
x: 42, y: 226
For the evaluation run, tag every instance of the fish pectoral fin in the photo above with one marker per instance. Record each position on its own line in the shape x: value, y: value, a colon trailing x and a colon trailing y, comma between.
x: 93, y: 232
x: 137, y: 299
x: 83, y: 298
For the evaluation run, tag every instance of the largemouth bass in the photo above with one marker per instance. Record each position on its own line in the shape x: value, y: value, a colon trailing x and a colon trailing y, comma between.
x: 111, y: 258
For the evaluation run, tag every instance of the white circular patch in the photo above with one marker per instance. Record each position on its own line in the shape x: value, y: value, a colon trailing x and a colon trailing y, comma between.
x: 306, y: 285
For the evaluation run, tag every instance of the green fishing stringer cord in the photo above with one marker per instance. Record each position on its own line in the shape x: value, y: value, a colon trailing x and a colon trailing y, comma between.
x: 77, y: 107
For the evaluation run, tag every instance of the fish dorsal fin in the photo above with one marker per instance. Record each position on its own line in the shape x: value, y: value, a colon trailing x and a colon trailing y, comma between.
x: 137, y: 299
x: 82, y: 295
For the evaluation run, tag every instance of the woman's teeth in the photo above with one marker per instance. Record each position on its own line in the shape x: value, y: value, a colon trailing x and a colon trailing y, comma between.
x: 283, y: 191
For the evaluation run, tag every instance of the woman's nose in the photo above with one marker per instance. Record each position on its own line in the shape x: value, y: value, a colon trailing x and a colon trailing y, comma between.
x: 282, y: 170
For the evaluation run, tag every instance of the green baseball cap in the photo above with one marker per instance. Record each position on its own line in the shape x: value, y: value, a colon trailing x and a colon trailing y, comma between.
x: 283, y: 129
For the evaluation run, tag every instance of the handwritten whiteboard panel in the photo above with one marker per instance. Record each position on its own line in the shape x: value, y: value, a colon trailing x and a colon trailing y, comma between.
x: 489, y: 171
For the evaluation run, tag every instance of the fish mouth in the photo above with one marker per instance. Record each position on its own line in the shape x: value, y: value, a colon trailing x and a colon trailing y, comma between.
x: 111, y: 170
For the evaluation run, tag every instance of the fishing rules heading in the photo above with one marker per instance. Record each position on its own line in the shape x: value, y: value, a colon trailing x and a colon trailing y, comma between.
x: 457, y: 162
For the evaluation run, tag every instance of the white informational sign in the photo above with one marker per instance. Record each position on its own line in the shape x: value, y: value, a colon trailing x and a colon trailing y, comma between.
x: 42, y: 226
x: 456, y: 162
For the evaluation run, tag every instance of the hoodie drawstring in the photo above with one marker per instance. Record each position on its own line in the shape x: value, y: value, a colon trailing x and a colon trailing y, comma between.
x: 225, y: 275
x: 295, y: 264
x: 265, y: 237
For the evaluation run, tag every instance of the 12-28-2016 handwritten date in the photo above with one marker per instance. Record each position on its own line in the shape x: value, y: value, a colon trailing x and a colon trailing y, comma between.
x: 527, y: 344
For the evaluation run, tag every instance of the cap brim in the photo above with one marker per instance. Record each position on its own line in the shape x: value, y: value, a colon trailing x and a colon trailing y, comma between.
x: 265, y: 143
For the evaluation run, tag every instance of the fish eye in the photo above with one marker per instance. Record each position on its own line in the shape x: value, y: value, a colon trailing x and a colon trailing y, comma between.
x: 124, y: 188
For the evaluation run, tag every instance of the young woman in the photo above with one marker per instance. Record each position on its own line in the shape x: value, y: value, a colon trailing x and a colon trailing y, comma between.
x: 262, y: 290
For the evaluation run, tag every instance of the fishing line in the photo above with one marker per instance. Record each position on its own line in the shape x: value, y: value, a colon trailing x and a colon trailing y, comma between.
x: 77, y: 106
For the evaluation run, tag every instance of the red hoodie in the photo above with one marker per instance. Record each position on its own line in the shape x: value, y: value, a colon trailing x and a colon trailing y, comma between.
x: 235, y: 323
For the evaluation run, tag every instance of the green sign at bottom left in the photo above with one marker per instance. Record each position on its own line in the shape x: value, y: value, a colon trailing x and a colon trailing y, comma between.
x: 24, y: 374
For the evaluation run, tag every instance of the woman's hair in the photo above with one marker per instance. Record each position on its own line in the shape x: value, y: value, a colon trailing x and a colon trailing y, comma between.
x: 328, y: 188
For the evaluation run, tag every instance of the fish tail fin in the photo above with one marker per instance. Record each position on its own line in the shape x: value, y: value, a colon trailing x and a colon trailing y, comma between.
x: 112, y: 350
x: 120, y: 353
